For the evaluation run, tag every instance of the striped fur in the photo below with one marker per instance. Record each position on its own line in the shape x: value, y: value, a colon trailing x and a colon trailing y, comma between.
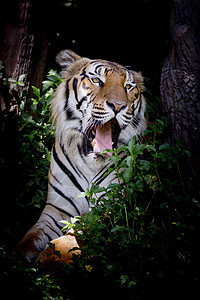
x: 97, y: 99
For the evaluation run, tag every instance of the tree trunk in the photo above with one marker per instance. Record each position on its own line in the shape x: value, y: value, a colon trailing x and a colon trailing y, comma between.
x: 23, y: 51
x: 180, y: 80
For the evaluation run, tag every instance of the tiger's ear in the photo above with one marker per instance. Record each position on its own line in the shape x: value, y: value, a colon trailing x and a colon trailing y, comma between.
x: 65, y: 58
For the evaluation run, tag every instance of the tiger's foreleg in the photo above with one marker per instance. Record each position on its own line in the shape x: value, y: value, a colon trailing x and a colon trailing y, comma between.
x: 37, y: 238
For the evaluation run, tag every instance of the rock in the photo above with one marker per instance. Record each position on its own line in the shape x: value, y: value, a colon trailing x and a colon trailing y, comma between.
x: 58, y: 251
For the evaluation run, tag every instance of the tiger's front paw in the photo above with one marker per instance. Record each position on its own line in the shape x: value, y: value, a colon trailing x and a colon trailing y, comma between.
x: 33, y: 243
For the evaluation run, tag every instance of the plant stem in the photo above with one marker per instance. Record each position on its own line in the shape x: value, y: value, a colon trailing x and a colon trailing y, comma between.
x: 157, y: 173
x: 179, y: 172
x: 126, y: 215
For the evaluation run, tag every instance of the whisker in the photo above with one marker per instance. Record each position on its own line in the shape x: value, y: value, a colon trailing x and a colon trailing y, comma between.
x: 138, y: 124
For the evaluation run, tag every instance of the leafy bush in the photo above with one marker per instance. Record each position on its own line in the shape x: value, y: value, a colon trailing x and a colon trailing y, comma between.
x: 35, y: 139
x: 141, y: 230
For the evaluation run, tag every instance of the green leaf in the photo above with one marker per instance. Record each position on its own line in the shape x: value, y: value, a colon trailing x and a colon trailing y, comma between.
x: 56, y: 252
x: 145, y: 164
x: 52, y: 246
x: 46, y: 84
x: 128, y: 173
x: 97, y: 189
x: 129, y: 161
x: 22, y: 77
x: 54, y: 76
x: 117, y: 228
x: 151, y: 148
x: 82, y: 195
x: 36, y: 91
x: 12, y: 80
x: 131, y: 145
x: 112, y: 185
x: 74, y: 249
x: 164, y: 146
x: 138, y: 149
x: 20, y: 83
x: 49, y: 93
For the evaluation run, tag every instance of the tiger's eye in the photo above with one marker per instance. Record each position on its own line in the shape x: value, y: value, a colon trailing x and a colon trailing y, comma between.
x: 128, y: 86
x: 95, y: 80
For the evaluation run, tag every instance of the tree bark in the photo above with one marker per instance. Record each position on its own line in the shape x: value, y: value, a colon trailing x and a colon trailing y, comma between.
x: 180, y: 80
x: 23, y: 51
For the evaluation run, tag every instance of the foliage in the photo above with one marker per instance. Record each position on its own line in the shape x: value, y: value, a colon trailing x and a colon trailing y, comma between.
x: 20, y: 279
x: 142, y: 227
x: 35, y: 139
x: 143, y: 230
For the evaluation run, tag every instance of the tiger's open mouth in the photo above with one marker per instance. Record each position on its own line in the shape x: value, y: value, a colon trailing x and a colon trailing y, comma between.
x: 102, y: 137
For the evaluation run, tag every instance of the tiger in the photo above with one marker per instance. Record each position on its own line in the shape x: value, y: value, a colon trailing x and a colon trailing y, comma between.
x: 98, y: 105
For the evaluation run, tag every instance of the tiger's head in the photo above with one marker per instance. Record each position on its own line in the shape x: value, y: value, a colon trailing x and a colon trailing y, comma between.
x: 99, y: 105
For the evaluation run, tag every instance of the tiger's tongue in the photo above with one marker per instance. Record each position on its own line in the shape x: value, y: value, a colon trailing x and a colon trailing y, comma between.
x: 103, y: 138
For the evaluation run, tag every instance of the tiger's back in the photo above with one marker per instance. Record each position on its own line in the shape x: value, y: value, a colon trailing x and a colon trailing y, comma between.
x: 99, y: 105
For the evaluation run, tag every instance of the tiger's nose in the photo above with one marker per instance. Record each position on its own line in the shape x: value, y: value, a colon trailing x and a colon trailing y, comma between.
x: 116, y: 106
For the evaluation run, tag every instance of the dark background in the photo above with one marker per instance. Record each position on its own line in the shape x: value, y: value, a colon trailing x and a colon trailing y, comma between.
x: 133, y: 33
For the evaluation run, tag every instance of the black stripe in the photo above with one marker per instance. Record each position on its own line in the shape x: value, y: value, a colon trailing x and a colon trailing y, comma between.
x: 90, y: 93
x: 102, y: 178
x: 127, y: 117
x: 65, y: 197
x: 96, y: 176
x: 67, y: 93
x: 66, y: 171
x: 99, y: 108
x: 99, y: 180
x: 81, y: 101
x: 50, y: 228
x: 60, y: 210
x: 78, y: 172
x: 140, y: 106
x: 75, y: 81
x: 108, y: 70
x: 102, y: 196
x: 93, y: 98
x: 59, y: 226
x: 69, y: 114
x: 67, y: 157
x: 139, y: 103
x: 95, y: 62
x: 97, y: 67
x: 48, y: 236
x: 135, y: 122
x: 54, y: 176
x: 83, y: 74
